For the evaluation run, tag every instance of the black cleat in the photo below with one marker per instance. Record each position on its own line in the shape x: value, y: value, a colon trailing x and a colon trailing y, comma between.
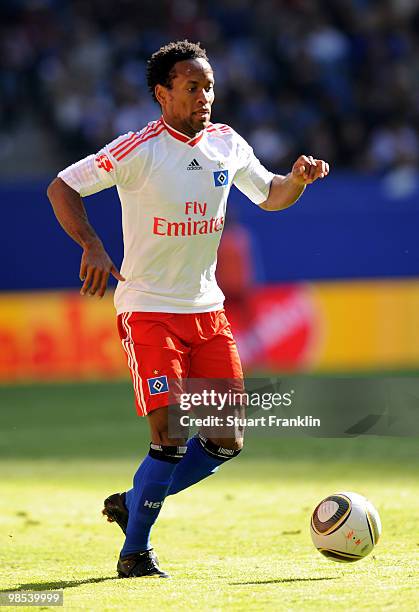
x: 140, y: 564
x: 116, y: 511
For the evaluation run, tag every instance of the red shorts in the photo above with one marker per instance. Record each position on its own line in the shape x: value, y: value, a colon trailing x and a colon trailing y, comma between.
x: 165, y: 346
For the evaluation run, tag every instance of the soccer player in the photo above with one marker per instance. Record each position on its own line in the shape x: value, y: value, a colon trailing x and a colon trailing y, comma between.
x: 173, y: 179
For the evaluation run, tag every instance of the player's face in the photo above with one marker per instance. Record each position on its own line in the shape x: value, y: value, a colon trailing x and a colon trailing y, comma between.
x: 187, y: 103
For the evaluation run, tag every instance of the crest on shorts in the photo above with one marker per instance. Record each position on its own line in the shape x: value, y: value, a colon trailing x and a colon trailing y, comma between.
x: 158, y: 384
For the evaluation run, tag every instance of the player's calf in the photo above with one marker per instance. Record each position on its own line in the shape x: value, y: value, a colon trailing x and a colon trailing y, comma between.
x: 203, y: 458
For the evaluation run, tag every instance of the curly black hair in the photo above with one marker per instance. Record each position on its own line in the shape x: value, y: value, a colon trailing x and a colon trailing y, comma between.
x: 160, y: 65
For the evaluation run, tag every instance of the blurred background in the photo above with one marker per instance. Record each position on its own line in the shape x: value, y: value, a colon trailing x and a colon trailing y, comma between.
x: 330, y: 285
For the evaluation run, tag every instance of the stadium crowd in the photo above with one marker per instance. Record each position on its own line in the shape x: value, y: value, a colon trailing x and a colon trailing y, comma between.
x: 337, y: 78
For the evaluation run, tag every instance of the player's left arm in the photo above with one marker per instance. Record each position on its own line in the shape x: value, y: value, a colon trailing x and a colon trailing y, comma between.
x: 286, y: 190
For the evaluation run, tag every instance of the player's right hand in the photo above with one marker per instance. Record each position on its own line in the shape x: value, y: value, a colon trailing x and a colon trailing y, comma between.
x: 95, y: 267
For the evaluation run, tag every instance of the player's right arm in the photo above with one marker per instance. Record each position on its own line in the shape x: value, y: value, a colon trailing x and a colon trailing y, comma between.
x: 119, y: 163
x: 96, y: 265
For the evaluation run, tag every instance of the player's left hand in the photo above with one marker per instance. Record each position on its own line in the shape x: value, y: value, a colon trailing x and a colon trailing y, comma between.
x: 306, y: 170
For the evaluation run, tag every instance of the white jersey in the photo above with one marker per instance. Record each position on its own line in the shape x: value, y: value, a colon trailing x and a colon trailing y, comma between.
x: 173, y: 191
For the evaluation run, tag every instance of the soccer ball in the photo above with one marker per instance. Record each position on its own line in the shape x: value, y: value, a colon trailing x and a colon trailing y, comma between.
x: 345, y: 527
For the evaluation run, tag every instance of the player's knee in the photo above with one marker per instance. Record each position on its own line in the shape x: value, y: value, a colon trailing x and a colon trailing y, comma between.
x: 160, y: 429
x: 164, y: 438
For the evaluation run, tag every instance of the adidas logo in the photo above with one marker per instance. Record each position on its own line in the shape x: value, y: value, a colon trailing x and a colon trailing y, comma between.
x: 194, y: 165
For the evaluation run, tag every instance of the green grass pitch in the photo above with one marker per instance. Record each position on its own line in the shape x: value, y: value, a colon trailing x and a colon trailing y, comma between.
x: 237, y: 541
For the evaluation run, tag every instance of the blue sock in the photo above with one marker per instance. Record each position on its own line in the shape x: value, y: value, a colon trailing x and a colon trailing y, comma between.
x: 128, y: 498
x: 195, y: 466
x: 145, y: 499
x: 202, y: 459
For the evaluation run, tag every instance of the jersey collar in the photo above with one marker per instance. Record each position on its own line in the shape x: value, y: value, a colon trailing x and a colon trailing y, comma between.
x: 182, y: 137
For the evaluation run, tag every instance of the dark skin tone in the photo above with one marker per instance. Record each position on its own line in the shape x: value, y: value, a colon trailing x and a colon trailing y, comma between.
x: 96, y: 265
x: 186, y: 106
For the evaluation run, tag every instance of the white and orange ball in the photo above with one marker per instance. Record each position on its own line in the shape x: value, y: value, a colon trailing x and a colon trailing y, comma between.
x: 345, y: 527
